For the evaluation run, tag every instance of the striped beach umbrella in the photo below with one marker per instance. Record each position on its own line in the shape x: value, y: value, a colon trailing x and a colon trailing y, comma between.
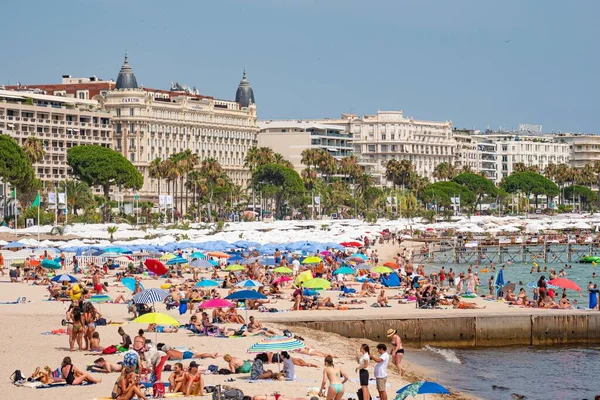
x: 64, y: 278
x: 276, y: 344
x: 153, y: 295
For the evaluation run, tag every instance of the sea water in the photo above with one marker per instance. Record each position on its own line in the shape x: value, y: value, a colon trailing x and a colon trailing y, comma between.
x: 513, y: 372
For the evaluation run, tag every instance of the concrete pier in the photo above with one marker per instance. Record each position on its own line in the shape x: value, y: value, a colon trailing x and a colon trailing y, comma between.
x: 461, y: 329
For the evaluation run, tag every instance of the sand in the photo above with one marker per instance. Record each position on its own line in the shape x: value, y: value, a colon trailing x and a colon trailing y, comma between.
x: 25, y: 347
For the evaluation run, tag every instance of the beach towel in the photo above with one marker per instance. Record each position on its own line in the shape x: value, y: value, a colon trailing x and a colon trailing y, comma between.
x: 61, y: 331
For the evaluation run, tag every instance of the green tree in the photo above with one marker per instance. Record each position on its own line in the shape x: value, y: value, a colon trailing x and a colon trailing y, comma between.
x: 155, y: 171
x: 213, y: 174
x: 34, y: 149
x: 477, y: 184
x: 445, y: 171
x: 101, y: 166
x: 111, y: 230
x: 584, y: 194
x: 279, y: 183
x: 530, y: 183
x: 79, y: 195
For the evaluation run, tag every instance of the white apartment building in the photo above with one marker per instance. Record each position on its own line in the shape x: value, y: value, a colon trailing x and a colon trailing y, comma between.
x: 59, y: 122
x: 585, y: 148
x: 151, y: 123
x: 532, y: 150
x: 389, y: 135
x: 291, y: 137
x: 467, y: 154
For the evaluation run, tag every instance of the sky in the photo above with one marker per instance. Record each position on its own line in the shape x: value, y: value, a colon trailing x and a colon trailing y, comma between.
x: 477, y: 63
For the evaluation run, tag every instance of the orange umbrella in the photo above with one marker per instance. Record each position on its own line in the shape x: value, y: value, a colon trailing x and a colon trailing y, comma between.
x: 391, y: 265
x: 218, y: 254
x: 34, y: 263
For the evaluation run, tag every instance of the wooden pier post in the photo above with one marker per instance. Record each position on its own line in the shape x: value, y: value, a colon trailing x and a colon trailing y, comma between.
x: 545, y: 250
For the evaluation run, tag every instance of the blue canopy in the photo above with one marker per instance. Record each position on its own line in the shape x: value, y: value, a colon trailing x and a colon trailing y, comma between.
x: 246, y: 295
x: 245, y: 244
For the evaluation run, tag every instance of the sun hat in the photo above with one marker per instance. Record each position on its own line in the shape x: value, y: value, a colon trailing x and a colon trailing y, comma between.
x: 390, y: 332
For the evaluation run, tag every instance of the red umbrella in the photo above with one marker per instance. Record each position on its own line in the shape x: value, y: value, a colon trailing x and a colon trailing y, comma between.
x: 351, y: 244
x: 391, y: 265
x: 155, y: 266
x: 564, y: 283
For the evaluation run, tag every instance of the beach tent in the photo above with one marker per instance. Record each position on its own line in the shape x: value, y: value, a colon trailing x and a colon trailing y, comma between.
x: 303, y: 277
x: 392, y: 280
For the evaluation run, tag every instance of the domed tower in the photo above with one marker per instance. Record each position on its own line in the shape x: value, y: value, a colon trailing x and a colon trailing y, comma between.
x: 244, y: 94
x: 126, y: 78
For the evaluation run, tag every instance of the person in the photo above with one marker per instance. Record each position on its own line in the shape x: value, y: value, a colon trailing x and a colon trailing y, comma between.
x: 2, y: 264
x: 258, y: 372
x: 101, y: 365
x: 73, y: 376
x: 295, y: 265
x: 255, y: 327
x: 156, y: 360
x: 593, y: 290
x: 289, y: 370
x: 363, y: 372
x: 309, y: 351
x: 382, y: 300
x: 194, y: 386
x: 380, y: 371
x: 125, y: 339
x: 237, y: 365
x: 397, y: 351
x: 127, y: 386
x: 139, y: 342
x: 336, y: 378
x: 184, y: 355
x: 162, y: 328
x: 14, y: 274
x: 177, y: 379
x: 464, y: 305
x: 97, y: 283
x: 95, y: 342
x: 77, y: 329
x: 542, y: 289
x: 90, y: 315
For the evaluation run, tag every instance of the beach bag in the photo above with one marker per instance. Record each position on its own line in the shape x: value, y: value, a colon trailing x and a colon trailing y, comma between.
x: 110, y: 350
x: 359, y: 395
x: 183, y: 308
x: 101, y: 322
x: 17, y: 376
x: 224, y: 371
x: 229, y: 394
x: 213, y: 369
x: 158, y: 390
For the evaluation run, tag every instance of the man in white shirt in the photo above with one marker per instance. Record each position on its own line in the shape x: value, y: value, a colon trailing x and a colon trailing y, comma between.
x: 381, y: 370
x: 296, y: 265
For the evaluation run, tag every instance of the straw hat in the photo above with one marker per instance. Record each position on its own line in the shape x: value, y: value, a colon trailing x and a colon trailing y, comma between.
x: 391, y: 332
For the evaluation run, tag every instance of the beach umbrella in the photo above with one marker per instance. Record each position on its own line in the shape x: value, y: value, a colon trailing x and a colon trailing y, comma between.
x: 363, y: 266
x: 200, y: 264
x: 246, y: 295
x: 312, y: 260
x: 235, y: 267
x: 34, y: 263
x: 129, y: 283
x: 351, y: 244
x: 155, y: 267
x: 383, y: 270
x: 267, y: 261
x: 317, y: 283
x: 213, y: 263
x: 124, y: 258
x: 177, y: 260
x: 218, y: 254
x: 99, y: 298
x: 110, y: 255
x: 198, y: 254
x: 249, y: 283
x: 344, y: 271
x: 50, y: 264
x: 422, y: 387
x: 250, y: 260
x: 391, y: 265
x: 216, y: 303
x: 119, y: 250
x: 303, y: 277
x: 564, y: 283
x: 157, y: 318
x: 283, y: 270
x: 499, y: 281
x: 356, y: 259
x: 207, y: 283
x: 276, y: 344
x: 236, y: 257
x: 167, y: 256
x: 282, y: 279
x: 150, y: 296
x: 64, y: 278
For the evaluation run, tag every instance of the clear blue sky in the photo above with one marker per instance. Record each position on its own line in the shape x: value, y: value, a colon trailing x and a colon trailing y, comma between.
x: 439, y: 60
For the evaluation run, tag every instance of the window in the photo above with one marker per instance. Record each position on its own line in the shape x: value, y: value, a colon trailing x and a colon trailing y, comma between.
x: 371, y: 148
x: 132, y: 112
x: 384, y: 148
x: 504, y: 158
x: 383, y: 136
x: 131, y: 128
x: 118, y: 112
x: 393, y: 147
x: 504, y: 167
x: 118, y: 128
x: 132, y: 157
x: 504, y: 147
x: 393, y: 136
x: 131, y: 142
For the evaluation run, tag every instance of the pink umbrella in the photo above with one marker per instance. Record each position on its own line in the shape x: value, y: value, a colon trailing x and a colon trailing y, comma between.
x: 282, y: 279
x: 216, y: 303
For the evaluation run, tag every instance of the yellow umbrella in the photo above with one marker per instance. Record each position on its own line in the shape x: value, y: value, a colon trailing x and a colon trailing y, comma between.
x: 317, y: 283
x: 167, y: 256
x: 383, y: 270
x: 311, y: 260
x: 283, y: 270
x: 235, y: 267
x: 303, y: 277
x: 157, y: 318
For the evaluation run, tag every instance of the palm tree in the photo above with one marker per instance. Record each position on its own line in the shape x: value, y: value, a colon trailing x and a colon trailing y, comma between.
x: 561, y: 177
x: 187, y: 164
x: 587, y: 175
x: 466, y: 169
x: 310, y: 158
x: 155, y: 171
x: 392, y: 170
x: 170, y: 173
x: 326, y: 164
x: 406, y: 170
x: 211, y: 170
x: 111, y: 231
x: 445, y: 171
x: 519, y: 167
x: 34, y: 149
x: 79, y: 195
x: 349, y: 166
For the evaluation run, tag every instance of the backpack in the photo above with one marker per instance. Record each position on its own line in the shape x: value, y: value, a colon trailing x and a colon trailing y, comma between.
x: 229, y: 394
x: 17, y: 376
x: 110, y: 350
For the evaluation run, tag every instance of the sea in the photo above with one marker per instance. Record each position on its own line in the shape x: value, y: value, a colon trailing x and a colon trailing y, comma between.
x: 569, y: 373
x: 520, y: 372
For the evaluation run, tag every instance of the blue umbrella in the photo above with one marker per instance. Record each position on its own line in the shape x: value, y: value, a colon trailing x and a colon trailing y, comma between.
x: 423, y: 387
x: 51, y: 264
x: 119, y: 250
x: 213, y: 263
x: 13, y: 245
x: 177, y: 260
x: 129, y: 283
x: 499, y: 282
x: 207, y: 283
x: 198, y: 254
x: 249, y: 283
x: 246, y: 295
x: 64, y: 278
x: 235, y: 257
x: 201, y: 264
x: 344, y: 271
x: 150, y: 296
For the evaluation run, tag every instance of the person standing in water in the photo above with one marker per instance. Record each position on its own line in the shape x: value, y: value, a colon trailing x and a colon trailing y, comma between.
x: 397, y: 350
x: 336, y: 378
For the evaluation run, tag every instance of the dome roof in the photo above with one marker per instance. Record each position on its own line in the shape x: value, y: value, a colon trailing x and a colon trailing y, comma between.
x: 245, y: 94
x: 126, y: 78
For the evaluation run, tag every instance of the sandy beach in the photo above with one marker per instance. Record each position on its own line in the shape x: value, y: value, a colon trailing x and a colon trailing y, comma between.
x: 26, y: 347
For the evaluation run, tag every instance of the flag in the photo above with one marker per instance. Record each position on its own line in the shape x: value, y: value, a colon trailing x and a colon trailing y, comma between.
x: 52, y: 198
x: 61, y: 198
x: 13, y: 194
x: 36, y: 202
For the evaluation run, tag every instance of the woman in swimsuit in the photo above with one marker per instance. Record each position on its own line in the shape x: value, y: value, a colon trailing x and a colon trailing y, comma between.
x: 90, y: 315
x: 397, y: 350
x: 74, y: 376
x: 127, y: 386
x: 139, y: 342
x: 336, y: 383
x: 77, y: 329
